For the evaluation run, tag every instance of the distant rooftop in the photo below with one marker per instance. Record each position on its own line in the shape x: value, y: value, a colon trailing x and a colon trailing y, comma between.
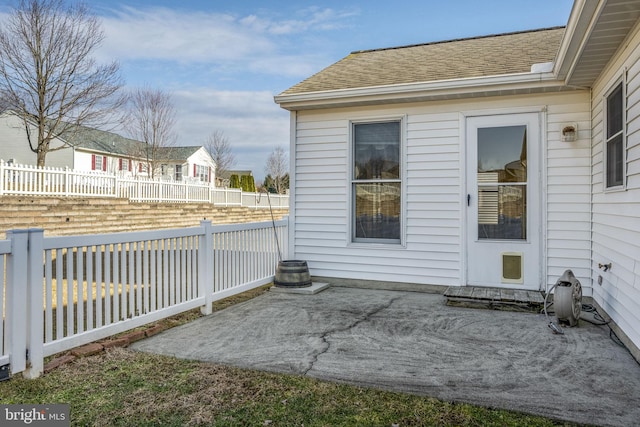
x: 109, y: 142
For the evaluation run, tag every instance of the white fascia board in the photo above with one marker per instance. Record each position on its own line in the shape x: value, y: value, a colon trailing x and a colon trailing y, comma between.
x: 454, y: 88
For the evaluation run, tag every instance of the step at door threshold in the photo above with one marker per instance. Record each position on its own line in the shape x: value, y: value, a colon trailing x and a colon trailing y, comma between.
x: 494, y: 298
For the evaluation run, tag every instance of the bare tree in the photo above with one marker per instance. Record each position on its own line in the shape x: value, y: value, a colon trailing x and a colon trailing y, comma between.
x: 49, y: 76
x: 219, y: 148
x: 151, y: 119
x: 277, y: 168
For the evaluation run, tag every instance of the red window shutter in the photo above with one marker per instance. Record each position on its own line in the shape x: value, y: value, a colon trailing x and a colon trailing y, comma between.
x: 119, y: 164
x: 130, y: 165
x: 104, y: 164
x: 93, y: 162
x: 194, y: 170
x: 139, y: 167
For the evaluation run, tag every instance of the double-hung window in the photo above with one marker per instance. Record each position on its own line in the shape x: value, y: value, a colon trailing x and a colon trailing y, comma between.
x: 201, y: 172
x: 614, y: 141
x: 98, y: 162
x: 376, y: 184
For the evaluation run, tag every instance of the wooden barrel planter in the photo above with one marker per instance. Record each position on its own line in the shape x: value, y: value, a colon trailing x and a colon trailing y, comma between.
x: 292, y: 274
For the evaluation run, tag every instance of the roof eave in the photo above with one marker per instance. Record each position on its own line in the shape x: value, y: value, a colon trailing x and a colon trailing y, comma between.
x: 582, y: 20
x: 414, y: 92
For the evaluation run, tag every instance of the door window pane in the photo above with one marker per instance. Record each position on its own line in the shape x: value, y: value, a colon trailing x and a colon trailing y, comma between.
x: 502, y: 212
x: 502, y: 154
x: 502, y: 183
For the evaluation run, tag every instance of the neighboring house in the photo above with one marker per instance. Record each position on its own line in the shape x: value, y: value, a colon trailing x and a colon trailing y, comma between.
x: 97, y: 150
x: 14, y: 144
x: 491, y: 161
x: 223, y: 179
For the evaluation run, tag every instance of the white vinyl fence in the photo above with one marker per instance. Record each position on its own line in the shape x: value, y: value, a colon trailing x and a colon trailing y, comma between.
x: 65, y: 182
x: 62, y: 292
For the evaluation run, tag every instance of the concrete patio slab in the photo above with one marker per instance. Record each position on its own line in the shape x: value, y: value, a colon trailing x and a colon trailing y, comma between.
x: 413, y: 342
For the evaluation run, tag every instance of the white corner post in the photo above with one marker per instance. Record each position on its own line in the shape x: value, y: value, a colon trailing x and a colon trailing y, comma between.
x: 35, y: 302
x: 25, y: 302
x: 16, y: 298
x: 205, y: 267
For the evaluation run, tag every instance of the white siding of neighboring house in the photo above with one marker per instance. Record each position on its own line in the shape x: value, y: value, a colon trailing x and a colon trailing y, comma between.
x: 15, y: 145
x: 616, y: 214
x: 434, y: 183
x: 202, y: 158
x: 83, y: 161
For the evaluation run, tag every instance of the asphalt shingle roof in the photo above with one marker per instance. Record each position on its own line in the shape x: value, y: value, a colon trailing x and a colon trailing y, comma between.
x: 500, y: 54
x: 109, y: 142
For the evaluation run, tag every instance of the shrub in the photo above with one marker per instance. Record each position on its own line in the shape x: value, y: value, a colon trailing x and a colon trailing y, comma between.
x: 248, y: 184
x: 234, y: 181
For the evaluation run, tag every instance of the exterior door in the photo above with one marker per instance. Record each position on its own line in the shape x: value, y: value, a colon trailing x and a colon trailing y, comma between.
x: 503, y: 201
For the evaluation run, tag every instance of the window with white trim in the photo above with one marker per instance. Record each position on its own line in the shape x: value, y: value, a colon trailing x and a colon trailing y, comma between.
x: 376, y: 182
x: 201, y: 173
x: 99, y: 162
x: 614, y: 138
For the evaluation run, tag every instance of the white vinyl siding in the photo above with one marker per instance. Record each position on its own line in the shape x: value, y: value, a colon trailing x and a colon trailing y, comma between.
x: 434, y: 188
x: 616, y: 214
x: 15, y: 145
x: 568, y: 192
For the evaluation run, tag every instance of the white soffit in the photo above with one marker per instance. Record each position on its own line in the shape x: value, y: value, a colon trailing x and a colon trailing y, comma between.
x: 594, y: 33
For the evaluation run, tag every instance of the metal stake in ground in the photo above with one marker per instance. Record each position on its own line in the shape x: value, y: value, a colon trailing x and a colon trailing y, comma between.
x: 273, y: 223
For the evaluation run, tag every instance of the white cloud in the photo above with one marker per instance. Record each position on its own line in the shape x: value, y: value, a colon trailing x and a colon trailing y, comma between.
x: 167, y: 34
x: 219, y: 47
x: 252, y: 122
x: 207, y: 37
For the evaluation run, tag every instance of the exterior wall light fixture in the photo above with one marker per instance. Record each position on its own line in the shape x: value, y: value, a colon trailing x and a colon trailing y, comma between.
x: 569, y: 132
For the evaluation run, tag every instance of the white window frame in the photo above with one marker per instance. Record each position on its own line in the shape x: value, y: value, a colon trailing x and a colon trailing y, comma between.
x: 372, y: 242
x: 621, y: 82
x: 99, y: 160
x: 202, y: 173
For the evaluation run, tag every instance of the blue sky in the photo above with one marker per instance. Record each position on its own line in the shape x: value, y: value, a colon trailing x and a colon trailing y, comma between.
x: 223, y: 61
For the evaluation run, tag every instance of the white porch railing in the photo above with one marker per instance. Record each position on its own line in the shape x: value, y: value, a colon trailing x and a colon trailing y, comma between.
x: 94, y: 286
x: 65, y: 182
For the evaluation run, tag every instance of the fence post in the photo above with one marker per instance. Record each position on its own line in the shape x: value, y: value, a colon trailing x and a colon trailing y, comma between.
x: 35, y: 304
x: 205, y: 267
x: 67, y: 181
x: 2, y: 180
x: 16, y: 300
x: 116, y: 185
